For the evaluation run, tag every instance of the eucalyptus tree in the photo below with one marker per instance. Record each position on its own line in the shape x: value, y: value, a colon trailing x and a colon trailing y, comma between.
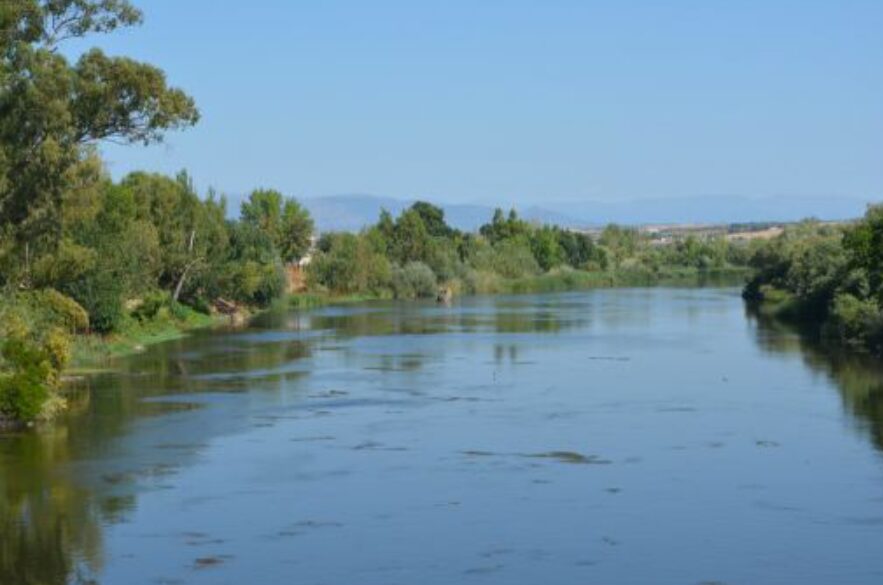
x: 54, y: 111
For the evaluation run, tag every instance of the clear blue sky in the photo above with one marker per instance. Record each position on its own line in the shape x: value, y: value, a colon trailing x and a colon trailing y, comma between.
x: 521, y: 101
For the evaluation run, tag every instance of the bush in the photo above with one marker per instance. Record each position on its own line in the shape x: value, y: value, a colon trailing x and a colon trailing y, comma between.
x: 514, y: 260
x: 253, y: 282
x: 178, y: 311
x: 349, y: 263
x: 151, y: 305
x: 64, y: 311
x: 855, y: 321
x: 415, y: 280
x: 25, y: 388
x: 100, y: 293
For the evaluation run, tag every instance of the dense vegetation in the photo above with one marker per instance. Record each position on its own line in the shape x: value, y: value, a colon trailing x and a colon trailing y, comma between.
x: 412, y: 256
x: 80, y: 253
x: 828, y: 277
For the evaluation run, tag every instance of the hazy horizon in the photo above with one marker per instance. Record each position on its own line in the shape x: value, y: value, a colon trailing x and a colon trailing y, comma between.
x: 520, y: 103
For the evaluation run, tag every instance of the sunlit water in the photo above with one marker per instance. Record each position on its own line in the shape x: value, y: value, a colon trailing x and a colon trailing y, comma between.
x: 614, y: 436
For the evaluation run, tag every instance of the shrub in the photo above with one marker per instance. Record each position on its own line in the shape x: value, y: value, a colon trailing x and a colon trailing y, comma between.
x: 252, y: 282
x: 414, y: 280
x: 513, y: 260
x: 151, y: 305
x: 64, y: 311
x: 100, y: 293
x: 855, y: 321
x: 57, y: 345
x: 25, y: 388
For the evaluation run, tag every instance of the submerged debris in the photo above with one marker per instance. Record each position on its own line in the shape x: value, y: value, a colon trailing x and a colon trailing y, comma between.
x: 563, y: 456
x: 212, y: 561
x: 571, y: 457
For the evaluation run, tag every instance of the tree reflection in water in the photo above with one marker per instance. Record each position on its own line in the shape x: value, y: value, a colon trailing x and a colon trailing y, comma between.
x: 858, y: 376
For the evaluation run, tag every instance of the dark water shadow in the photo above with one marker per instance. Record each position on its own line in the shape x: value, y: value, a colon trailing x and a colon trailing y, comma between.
x: 857, y: 375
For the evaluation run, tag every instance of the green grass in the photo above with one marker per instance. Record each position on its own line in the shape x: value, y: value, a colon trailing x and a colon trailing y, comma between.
x: 556, y: 280
x: 91, y: 352
x: 312, y: 300
x: 566, y: 280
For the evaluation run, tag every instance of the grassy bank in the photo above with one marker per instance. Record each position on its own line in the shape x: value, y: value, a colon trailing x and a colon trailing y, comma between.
x: 556, y: 280
x: 91, y: 351
x: 313, y: 300
x: 561, y: 280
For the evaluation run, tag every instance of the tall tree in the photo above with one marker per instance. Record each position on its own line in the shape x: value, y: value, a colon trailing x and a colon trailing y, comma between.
x: 53, y: 111
x: 433, y: 218
x: 286, y: 221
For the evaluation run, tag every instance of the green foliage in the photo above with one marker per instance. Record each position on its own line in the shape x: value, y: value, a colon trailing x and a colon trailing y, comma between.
x: 413, y: 281
x: 546, y: 248
x: 504, y: 228
x: 507, y: 254
x: 578, y: 248
x: 832, y: 275
x: 514, y: 259
x: 411, y: 239
x: 151, y: 305
x: 808, y: 261
x: 24, y: 386
x: 34, y: 349
x: 287, y: 223
x: 349, y: 263
x: 100, y: 293
x: 433, y: 219
x: 620, y: 243
x: 855, y: 321
x: 53, y: 111
x: 77, y: 248
x: 62, y: 311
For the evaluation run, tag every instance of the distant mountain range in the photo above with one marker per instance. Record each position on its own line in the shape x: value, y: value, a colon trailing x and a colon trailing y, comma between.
x: 353, y: 212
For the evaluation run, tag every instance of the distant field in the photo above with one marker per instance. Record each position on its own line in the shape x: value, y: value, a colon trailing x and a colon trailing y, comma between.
x: 764, y: 234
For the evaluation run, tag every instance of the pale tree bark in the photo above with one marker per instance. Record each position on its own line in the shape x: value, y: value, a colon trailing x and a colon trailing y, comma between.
x: 187, y: 268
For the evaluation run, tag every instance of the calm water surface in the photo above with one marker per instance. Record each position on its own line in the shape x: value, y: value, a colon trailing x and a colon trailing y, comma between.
x: 616, y: 436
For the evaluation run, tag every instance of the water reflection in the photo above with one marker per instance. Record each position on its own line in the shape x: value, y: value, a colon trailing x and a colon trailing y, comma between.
x: 858, y: 376
x: 50, y: 529
x: 508, y: 398
x: 59, y: 486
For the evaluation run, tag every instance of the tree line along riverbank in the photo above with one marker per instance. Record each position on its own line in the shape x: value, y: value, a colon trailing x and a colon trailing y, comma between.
x: 826, y: 279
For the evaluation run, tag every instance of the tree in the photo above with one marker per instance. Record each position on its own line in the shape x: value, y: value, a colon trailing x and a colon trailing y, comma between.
x: 52, y: 111
x: 864, y: 243
x: 411, y: 240
x: 286, y: 221
x: 433, y: 218
x: 297, y: 229
x: 505, y: 228
x: 620, y: 242
x: 546, y: 249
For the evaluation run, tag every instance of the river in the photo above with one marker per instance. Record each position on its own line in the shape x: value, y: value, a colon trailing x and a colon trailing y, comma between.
x: 637, y: 436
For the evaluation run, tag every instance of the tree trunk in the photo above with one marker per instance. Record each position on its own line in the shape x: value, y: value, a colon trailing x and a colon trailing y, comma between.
x: 187, y: 268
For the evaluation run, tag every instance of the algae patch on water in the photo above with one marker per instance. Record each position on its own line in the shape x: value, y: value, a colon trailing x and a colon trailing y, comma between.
x: 571, y: 457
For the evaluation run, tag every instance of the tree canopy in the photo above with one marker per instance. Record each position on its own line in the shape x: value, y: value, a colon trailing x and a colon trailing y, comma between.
x: 53, y: 111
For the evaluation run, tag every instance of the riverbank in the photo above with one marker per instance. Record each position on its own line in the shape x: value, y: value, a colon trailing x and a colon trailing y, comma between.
x: 562, y: 280
x: 91, y: 351
x: 555, y: 280
x: 94, y: 352
x: 842, y: 324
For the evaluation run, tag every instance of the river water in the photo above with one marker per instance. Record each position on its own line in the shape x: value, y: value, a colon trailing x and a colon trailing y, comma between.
x: 635, y: 436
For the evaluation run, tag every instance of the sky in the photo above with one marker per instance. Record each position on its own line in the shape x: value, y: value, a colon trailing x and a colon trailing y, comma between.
x: 520, y: 102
